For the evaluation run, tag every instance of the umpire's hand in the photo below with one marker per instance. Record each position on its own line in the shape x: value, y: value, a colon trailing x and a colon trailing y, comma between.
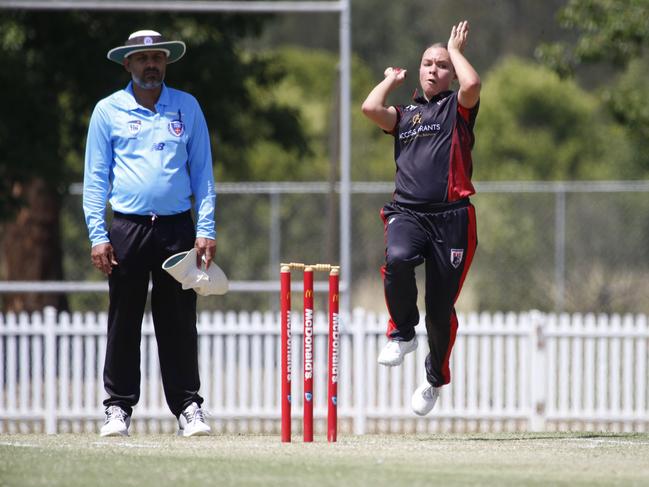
x: 103, y: 257
x: 205, y: 247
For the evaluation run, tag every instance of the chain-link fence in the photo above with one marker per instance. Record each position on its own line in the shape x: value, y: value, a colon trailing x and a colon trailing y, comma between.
x: 548, y: 246
x: 580, y: 246
x: 563, y: 246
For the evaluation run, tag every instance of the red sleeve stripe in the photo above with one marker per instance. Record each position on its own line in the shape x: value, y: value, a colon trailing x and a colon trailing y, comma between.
x: 464, y: 112
x: 460, y: 166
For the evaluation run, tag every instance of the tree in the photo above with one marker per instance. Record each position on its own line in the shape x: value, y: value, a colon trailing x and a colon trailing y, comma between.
x: 611, y: 33
x: 534, y: 125
x: 627, y: 101
x: 386, y: 32
x: 309, y: 222
x: 55, y: 70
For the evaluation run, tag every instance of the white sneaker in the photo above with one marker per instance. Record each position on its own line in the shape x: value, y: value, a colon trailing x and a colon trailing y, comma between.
x: 394, y: 351
x: 424, y: 399
x: 117, y: 422
x: 192, y: 422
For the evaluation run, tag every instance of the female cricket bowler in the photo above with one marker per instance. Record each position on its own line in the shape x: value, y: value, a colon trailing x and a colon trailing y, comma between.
x: 430, y: 218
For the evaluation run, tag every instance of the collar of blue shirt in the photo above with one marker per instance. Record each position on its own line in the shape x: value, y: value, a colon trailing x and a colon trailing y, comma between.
x: 128, y: 97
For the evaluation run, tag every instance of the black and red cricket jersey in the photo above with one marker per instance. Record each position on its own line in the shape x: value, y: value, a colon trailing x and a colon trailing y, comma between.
x: 432, y: 149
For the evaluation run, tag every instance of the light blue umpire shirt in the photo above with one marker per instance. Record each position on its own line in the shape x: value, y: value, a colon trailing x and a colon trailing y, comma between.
x: 147, y: 163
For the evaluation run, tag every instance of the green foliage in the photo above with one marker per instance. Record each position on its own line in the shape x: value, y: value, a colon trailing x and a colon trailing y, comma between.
x: 533, y: 125
x: 614, y: 31
x: 556, y: 57
x: 272, y: 115
x: 388, y: 33
x: 514, y: 231
x: 306, y: 91
x: 55, y: 70
x: 309, y: 90
x: 308, y: 221
x: 627, y: 101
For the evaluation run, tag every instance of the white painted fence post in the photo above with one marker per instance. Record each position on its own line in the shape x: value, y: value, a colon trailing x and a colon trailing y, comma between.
x: 538, y: 365
x: 592, y: 353
x: 360, y: 365
x: 50, y: 317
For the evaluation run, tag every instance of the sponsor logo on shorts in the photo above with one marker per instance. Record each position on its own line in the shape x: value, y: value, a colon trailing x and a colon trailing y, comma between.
x: 456, y: 257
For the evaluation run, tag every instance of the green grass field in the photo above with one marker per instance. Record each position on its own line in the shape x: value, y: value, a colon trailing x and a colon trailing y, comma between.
x: 387, y: 460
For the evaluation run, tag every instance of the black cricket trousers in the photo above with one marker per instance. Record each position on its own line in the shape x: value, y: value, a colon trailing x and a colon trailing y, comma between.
x: 444, y: 237
x: 141, y: 244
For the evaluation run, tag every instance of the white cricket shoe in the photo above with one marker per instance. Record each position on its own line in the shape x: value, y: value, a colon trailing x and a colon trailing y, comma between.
x: 192, y: 422
x: 424, y: 399
x: 117, y: 422
x: 394, y: 351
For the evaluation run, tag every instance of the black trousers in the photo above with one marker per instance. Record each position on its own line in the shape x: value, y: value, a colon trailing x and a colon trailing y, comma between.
x: 444, y: 237
x: 141, y: 245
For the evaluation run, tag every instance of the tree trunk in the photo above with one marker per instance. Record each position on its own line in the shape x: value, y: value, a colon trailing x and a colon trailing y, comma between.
x: 31, y: 246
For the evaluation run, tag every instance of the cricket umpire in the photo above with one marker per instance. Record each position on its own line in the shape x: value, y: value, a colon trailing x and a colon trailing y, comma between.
x: 430, y: 218
x: 148, y: 154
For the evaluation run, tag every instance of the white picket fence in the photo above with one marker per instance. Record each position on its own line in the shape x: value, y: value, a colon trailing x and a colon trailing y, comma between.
x: 527, y: 371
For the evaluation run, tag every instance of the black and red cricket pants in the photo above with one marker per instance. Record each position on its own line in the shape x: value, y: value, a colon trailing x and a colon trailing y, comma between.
x: 141, y: 244
x: 443, y: 236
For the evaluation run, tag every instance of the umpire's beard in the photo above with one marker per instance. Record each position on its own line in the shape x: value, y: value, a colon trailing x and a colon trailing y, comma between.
x: 152, y: 80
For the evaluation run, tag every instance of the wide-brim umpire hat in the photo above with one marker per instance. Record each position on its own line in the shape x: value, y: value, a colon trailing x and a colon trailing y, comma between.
x: 148, y: 40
